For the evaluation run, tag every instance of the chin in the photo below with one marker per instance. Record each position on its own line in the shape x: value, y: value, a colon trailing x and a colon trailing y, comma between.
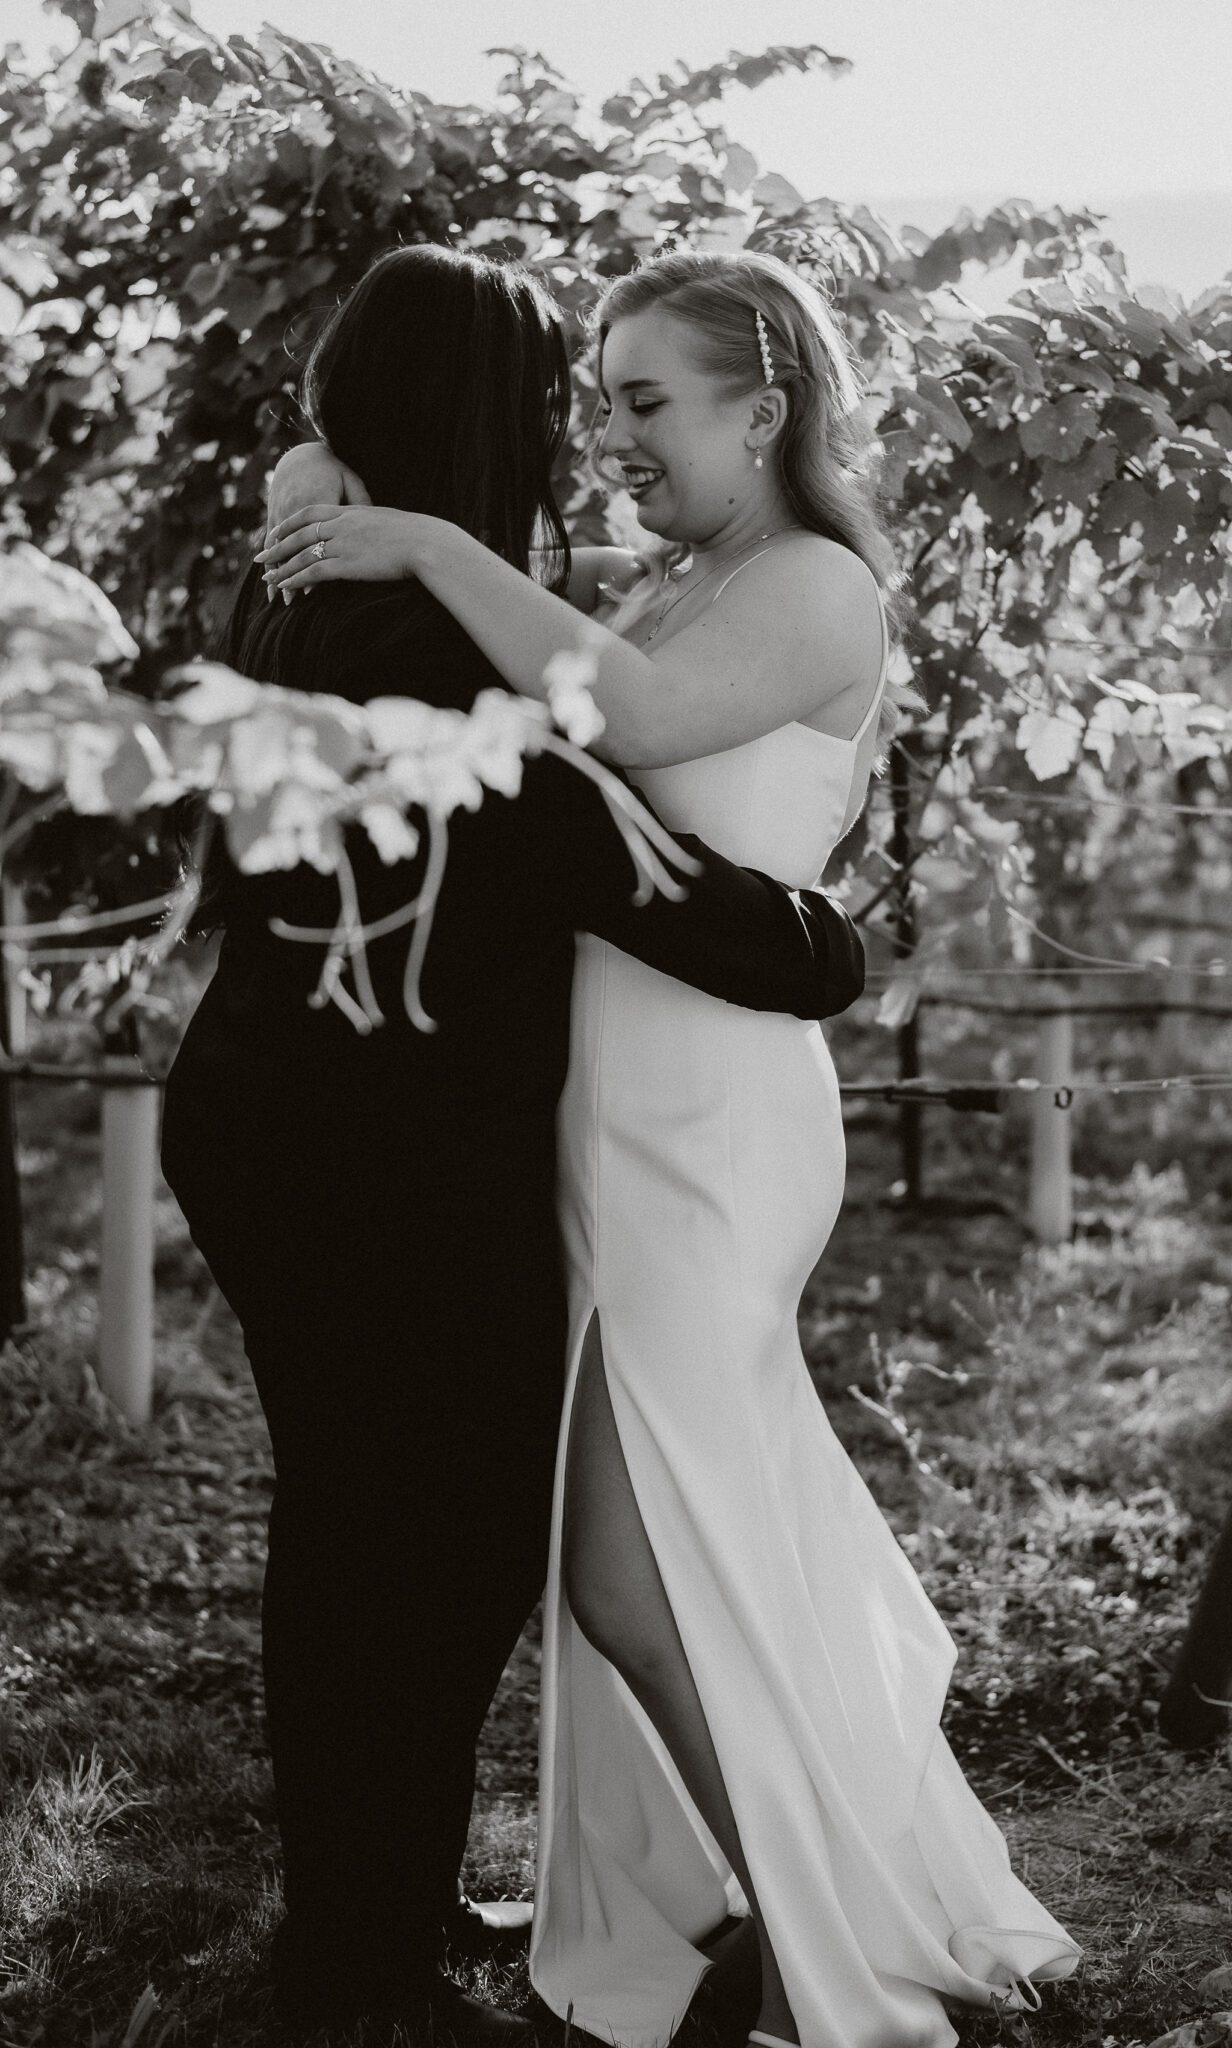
x: 664, y: 524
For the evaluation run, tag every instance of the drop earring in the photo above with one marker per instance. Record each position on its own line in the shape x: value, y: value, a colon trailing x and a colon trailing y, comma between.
x: 757, y: 461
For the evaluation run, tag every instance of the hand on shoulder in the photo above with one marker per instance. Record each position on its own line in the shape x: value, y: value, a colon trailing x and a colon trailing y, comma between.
x: 307, y: 474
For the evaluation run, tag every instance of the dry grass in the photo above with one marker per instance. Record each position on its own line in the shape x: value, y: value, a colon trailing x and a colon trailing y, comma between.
x: 1050, y: 1433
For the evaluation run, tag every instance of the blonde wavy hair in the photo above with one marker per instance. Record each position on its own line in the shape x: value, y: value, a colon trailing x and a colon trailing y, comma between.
x: 830, y: 458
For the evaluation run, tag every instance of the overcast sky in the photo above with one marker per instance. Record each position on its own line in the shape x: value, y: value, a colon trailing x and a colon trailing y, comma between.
x: 1118, y: 104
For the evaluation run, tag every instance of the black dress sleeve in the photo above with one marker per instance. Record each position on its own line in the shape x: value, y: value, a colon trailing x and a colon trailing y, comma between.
x: 736, y: 934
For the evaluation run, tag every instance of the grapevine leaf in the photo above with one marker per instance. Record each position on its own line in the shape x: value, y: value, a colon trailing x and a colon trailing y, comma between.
x: 740, y: 166
x: 1013, y: 350
x: 899, y: 1002
x: 1051, y: 741
x: 930, y: 401
x: 1061, y: 430
x: 130, y: 772
x: 777, y: 195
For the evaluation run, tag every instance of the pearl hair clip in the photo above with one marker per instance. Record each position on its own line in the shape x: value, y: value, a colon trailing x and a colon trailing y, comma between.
x: 763, y: 343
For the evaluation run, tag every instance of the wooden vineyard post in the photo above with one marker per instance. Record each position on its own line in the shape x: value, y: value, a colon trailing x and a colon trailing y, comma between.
x: 1196, y: 1709
x: 910, y: 1114
x: 16, y: 959
x: 1050, y: 1209
x: 1186, y: 940
x: 12, y: 1252
x: 126, y: 1280
x: 12, y: 1256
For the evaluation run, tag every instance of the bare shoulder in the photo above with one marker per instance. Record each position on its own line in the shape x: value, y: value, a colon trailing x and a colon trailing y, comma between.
x: 813, y: 594
x: 794, y: 637
x: 826, y: 579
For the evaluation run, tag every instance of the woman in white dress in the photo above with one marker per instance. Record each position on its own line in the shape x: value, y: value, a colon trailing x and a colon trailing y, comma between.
x: 742, y: 1675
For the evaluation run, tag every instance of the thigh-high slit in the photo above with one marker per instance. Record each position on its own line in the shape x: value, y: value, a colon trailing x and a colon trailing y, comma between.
x: 701, y: 1156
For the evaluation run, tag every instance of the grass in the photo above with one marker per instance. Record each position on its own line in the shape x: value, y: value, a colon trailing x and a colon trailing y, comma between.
x: 1049, y: 1431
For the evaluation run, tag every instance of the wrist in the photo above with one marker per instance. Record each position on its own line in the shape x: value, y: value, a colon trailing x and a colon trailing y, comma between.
x: 435, y: 547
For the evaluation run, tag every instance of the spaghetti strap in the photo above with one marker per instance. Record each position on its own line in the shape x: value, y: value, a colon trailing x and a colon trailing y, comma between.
x: 879, y: 691
x: 875, y: 701
x: 735, y: 572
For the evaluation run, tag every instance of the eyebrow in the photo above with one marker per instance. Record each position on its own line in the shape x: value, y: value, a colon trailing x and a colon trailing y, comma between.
x: 636, y: 384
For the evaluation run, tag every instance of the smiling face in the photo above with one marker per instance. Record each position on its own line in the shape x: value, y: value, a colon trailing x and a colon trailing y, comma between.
x: 686, y: 444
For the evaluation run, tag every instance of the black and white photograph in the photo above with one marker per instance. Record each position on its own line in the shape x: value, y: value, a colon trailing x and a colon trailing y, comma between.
x: 616, y: 1024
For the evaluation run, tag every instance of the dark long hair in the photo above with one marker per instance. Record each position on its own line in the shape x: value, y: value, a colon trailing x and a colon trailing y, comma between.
x: 443, y: 381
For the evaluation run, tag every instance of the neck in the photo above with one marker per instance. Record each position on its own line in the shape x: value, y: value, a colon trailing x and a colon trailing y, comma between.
x: 768, y: 513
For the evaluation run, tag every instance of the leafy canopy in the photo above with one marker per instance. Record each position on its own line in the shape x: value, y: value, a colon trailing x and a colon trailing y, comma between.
x: 176, y: 211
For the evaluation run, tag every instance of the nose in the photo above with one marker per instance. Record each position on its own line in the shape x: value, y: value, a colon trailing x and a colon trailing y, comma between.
x: 613, y: 438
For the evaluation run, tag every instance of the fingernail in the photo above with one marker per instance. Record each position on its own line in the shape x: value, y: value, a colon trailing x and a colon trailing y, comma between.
x: 287, y: 595
x: 261, y: 557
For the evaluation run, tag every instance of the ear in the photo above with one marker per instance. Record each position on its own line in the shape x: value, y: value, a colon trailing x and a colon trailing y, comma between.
x: 767, y: 416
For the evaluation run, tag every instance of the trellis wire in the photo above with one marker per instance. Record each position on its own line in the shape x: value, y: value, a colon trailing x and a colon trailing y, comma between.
x: 1126, y: 648
x: 938, y: 1090
x: 101, y: 1075
x: 1215, y: 971
x: 923, y: 1088
x: 130, y: 1121
x: 1085, y: 801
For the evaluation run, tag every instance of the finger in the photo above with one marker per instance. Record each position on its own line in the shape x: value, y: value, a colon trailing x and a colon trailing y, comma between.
x: 275, y: 553
x: 309, y: 516
x: 300, y: 515
x: 277, y: 573
x: 317, y: 572
x: 287, y: 539
x: 305, y: 533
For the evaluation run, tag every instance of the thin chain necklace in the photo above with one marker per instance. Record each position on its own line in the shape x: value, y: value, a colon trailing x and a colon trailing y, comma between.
x: 771, y: 534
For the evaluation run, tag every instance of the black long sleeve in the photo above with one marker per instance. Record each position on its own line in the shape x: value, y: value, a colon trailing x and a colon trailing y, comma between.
x: 522, y: 875
x: 737, y: 933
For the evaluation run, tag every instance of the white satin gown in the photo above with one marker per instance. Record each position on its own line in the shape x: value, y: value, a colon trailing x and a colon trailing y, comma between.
x: 702, y: 1165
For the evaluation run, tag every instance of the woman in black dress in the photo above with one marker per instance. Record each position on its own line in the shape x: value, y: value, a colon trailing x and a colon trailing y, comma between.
x: 379, y: 1209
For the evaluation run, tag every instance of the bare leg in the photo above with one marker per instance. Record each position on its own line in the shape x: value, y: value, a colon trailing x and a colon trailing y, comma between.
x: 619, y: 1602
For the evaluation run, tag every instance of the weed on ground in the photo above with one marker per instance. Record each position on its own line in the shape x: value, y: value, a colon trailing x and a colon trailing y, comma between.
x: 1049, y: 1431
